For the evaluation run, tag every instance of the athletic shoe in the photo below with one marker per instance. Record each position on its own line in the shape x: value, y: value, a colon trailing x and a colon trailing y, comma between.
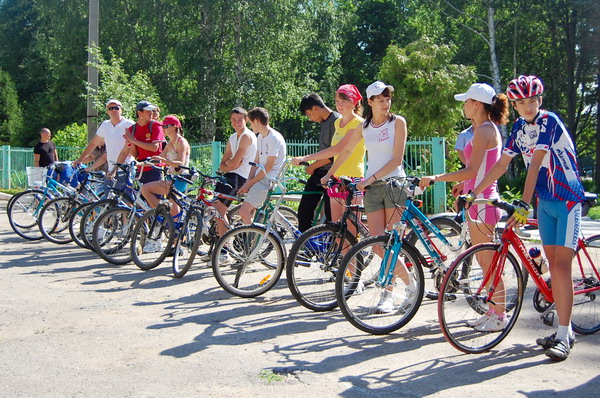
x: 479, y: 321
x: 559, y: 351
x: 223, y: 257
x: 153, y: 246
x: 411, y: 293
x: 493, y: 324
x: 360, y: 288
x: 205, y: 256
x: 386, y: 303
x: 546, y: 342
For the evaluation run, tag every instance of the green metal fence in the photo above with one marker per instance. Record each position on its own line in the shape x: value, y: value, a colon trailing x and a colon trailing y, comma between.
x: 424, y: 157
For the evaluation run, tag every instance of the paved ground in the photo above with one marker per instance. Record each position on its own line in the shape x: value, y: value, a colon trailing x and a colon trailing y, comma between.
x: 72, y: 325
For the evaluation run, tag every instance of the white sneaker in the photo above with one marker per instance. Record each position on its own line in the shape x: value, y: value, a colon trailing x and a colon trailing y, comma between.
x: 479, y: 321
x: 360, y: 288
x: 153, y: 246
x: 386, y: 302
x: 223, y: 258
x: 411, y: 293
x: 493, y: 324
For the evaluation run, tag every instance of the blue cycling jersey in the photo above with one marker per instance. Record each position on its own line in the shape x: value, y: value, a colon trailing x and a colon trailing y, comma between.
x: 559, y: 177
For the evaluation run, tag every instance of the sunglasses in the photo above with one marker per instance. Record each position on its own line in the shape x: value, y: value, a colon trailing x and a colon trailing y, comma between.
x: 114, y: 108
x: 166, y: 126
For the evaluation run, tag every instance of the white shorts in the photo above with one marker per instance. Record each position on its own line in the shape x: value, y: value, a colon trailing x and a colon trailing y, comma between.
x: 257, y: 194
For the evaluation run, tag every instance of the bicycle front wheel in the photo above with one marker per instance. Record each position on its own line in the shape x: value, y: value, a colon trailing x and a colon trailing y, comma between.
x: 112, y: 233
x: 184, y: 248
x: 54, y: 220
x: 313, y: 263
x: 152, y: 239
x: 23, y: 210
x: 464, y: 298
x: 246, y: 262
x: 367, y: 301
x: 585, y: 317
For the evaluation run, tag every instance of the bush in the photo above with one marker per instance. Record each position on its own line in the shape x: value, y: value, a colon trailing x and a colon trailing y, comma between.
x: 73, y: 135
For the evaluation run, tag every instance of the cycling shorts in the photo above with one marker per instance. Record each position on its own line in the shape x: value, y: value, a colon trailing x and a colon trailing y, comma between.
x: 559, y: 222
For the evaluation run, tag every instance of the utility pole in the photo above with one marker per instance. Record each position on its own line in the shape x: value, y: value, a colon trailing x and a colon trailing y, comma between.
x: 93, y: 41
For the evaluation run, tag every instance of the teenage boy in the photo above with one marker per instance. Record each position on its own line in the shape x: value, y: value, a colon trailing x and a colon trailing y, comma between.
x: 239, y: 152
x: 549, y: 155
x: 44, y: 152
x: 270, y: 153
x: 314, y: 108
x: 143, y: 140
x: 110, y: 133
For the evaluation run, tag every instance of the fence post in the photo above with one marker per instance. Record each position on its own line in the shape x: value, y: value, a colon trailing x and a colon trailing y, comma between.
x: 216, y: 156
x: 5, y: 154
x: 438, y: 150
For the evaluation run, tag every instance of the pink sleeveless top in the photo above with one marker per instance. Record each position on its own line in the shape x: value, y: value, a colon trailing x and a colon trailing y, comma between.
x: 489, y: 159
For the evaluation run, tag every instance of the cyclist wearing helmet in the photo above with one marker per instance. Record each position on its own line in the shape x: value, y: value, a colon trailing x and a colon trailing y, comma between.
x: 549, y: 155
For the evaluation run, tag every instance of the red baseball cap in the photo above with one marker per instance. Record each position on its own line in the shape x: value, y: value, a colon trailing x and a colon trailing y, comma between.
x: 171, y: 119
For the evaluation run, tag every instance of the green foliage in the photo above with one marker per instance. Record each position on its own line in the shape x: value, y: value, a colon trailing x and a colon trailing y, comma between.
x: 73, y: 135
x: 11, y: 117
x: 115, y: 83
x: 419, y: 73
x: 594, y: 213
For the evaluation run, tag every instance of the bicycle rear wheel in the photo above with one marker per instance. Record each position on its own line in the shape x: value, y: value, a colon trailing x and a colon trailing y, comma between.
x: 152, y: 238
x: 312, y: 264
x: 463, y: 297
x: 184, y: 248
x: 360, y: 292
x: 585, y: 318
x: 23, y: 210
x: 111, y: 235
x: 90, y: 217
x: 244, y: 264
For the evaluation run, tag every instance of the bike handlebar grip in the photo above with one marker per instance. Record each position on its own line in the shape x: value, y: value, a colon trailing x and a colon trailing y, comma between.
x: 304, y: 163
x: 253, y: 164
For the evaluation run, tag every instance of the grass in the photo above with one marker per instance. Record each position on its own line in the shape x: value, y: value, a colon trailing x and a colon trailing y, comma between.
x: 12, y: 191
x: 594, y: 213
x: 269, y: 377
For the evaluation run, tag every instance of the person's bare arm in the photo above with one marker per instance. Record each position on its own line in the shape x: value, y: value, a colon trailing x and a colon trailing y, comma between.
x: 95, y: 142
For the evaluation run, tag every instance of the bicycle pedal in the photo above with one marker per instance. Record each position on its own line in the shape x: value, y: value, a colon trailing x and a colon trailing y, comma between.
x: 548, y: 318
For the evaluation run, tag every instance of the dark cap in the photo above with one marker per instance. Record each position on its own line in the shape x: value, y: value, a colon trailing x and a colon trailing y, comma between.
x: 144, y: 106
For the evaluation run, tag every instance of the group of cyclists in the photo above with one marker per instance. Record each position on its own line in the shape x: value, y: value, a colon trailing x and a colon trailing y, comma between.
x: 346, y: 138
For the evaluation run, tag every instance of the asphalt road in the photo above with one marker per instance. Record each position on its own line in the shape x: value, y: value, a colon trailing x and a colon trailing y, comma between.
x: 72, y: 325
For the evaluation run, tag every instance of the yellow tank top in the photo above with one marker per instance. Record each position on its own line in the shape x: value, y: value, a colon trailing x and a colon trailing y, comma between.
x: 354, y: 166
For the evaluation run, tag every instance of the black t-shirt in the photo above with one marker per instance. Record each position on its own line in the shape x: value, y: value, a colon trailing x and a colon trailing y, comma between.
x: 46, y: 152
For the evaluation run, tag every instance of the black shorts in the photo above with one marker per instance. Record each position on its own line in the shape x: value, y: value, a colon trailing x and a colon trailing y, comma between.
x: 234, y: 182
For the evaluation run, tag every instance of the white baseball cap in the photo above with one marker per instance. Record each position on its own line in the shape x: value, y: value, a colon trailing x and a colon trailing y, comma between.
x: 377, y: 88
x: 479, y: 92
x: 113, y: 101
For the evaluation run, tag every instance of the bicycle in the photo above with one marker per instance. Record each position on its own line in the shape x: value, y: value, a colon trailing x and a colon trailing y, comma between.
x: 23, y: 209
x: 469, y: 288
x: 314, y: 257
x: 199, y: 227
x: 54, y: 218
x: 368, y: 274
x: 112, y: 231
x: 121, y: 193
x: 255, y: 253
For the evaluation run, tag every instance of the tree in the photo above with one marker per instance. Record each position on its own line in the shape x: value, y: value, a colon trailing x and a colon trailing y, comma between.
x: 11, y: 117
x: 115, y: 83
x: 425, y: 84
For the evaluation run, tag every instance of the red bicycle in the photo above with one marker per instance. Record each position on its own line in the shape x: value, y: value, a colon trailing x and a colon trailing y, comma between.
x: 489, y: 274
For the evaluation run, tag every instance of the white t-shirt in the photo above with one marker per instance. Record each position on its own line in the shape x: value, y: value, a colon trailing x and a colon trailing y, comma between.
x: 249, y: 156
x: 379, y: 141
x: 271, y: 145
x: 113, y: 138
